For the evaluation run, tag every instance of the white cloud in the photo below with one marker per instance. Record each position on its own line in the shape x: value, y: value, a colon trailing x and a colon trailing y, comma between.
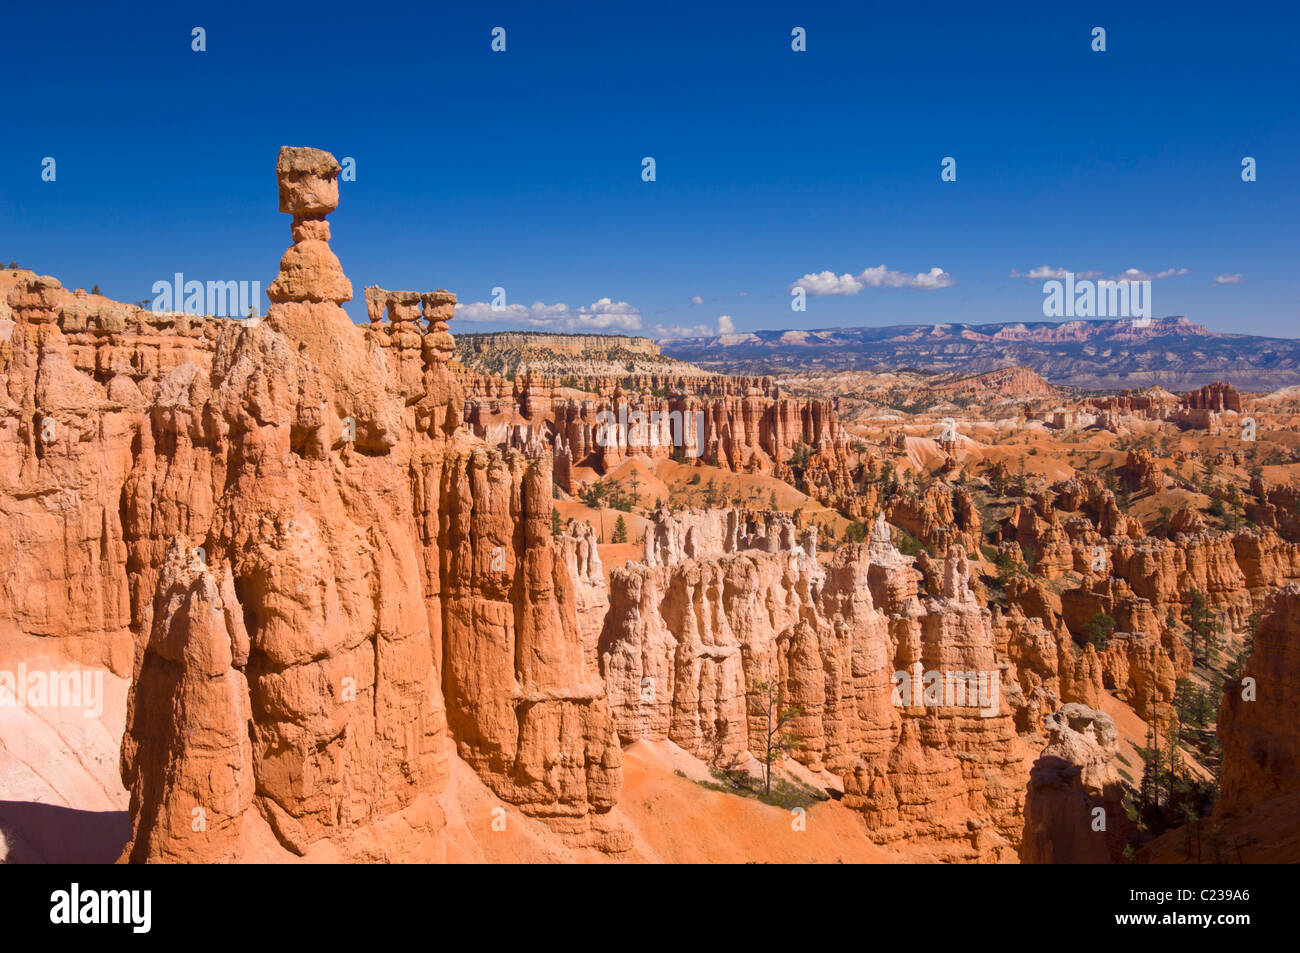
x: 1233, y: 279
x: 934, y: 278
x: 668, y: 332
x: 482, y: 311
x: 1045, y: 272
x: 828, y: 283
x: 1137, y: 274
x: 1042, y: 272
x: 697, y: 300
x: 604, y: 314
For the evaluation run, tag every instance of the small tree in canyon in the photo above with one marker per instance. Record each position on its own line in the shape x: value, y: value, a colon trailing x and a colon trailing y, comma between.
x: 778, y: 740
x: 1203, y: 628
x: 1098, y: 629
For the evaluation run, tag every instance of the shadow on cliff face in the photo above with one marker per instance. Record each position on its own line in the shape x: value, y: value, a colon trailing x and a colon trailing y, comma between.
x: 38, y: 833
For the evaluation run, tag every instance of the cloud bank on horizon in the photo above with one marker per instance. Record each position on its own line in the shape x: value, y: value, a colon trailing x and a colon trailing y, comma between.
x: 606, y: 316
x: 603, y: 315
x: 1048, y: 273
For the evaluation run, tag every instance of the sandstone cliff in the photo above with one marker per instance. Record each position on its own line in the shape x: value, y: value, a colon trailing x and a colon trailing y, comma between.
x: 736, y: 423
x: 723, y: 604
x: 1259, y: 712
x: 1074, y: 812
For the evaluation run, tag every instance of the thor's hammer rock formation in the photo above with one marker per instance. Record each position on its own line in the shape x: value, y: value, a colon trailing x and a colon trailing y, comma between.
x: 345, y: 554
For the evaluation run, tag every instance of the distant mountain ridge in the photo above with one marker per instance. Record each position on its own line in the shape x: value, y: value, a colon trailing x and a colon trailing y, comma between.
x: 1103, y: 354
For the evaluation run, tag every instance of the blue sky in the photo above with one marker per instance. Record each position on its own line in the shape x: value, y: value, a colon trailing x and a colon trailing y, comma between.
x: 522, y: 169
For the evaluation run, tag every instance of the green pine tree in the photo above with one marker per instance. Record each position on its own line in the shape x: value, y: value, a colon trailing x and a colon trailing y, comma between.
x: 1203, y: 628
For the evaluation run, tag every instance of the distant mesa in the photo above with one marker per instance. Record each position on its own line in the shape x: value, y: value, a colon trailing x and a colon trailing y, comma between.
x: 512, y: 353
x: 1172, y: 352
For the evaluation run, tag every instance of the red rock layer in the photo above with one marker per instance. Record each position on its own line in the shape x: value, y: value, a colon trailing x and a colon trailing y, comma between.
x: 1075, y: 527
x: 751, y: 434
x: 939, y: 517
x: 78, y: 383
x: 527, y: 712
x: 1259, y: 712
x: 1218, y: 397
x: 1074, y: 810
x: 718, y: 609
